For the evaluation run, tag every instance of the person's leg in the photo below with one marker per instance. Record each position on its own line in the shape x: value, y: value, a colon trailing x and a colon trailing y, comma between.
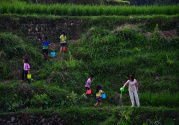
x: 132, y: 98
x: 26, y: 77
x: 43, y: 52
x: 86, y: 90
x: 22, y: 74
x: 86, y: 93
x: 101, y: 104
x: 26, y: 72
x: 136, y: 98
x: 46, y: 52
x: 46, y: 57
x: 61, y: 48
x: 96, y: 104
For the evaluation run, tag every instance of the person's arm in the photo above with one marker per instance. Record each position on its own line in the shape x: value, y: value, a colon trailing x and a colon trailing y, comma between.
x: 126, y: 84
x: 136, y: 85
x: 88, y: 84
x: 28, y: 68
x: 60, y: 39
x: 50, y: 46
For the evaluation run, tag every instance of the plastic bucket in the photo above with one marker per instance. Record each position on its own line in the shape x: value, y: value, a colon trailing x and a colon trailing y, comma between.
x: 122, y: 89
x: 52, y: 54
x: 64, y: 48
x: 103, y: 95
x: 28, y: 76
x: 89, y: 91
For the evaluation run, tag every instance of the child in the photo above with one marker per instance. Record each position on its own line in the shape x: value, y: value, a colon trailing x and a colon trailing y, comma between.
x: 46, y: 45
x: 99, y: 96
x: 26, y: 69
x: 133, y: 90
x: 88, y: 84
x: 63, y: 42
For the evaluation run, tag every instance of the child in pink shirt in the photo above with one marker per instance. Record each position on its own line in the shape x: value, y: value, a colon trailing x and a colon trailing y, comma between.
x: 88, y: 84
x: 26, y: 69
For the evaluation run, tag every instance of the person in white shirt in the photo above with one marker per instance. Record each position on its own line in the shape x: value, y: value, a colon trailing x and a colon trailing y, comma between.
x: 133, y: 90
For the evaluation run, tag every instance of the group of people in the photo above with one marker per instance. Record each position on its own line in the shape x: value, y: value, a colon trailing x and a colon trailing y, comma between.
x: 133, y: 85
x: 46, y: 45
x: 133, y: 90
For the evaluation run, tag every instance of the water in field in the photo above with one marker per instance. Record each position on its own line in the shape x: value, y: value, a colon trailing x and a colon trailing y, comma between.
x: 120, y: 100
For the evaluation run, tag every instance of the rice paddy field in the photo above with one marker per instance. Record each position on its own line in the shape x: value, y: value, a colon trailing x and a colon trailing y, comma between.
x: 112, y: 43
x: 24, y: 8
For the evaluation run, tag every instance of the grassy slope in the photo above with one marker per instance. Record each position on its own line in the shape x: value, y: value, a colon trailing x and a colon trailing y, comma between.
x: 108, y: 55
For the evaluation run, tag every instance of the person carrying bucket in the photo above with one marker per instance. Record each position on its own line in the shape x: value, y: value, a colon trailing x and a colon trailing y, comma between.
x: 26, y: 70
x: 88, y: 84
x: 133, y: 90
x: 63, y: 42
x: 99, y: 93
x: 46, y: 45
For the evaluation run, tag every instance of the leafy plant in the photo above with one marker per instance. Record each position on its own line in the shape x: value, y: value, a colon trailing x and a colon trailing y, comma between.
x: 72, y: 98
x: 41, y: 100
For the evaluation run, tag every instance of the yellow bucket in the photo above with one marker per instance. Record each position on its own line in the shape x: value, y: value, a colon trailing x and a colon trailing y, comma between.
x: 29, y: 76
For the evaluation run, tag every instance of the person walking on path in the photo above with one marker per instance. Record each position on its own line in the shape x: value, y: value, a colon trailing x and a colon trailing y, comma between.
x: 26, y: 70
x: 99, y: 93
x: 46, y: 45
x: 133, y: 90
x: 63, y: 42
x: 88, y: 84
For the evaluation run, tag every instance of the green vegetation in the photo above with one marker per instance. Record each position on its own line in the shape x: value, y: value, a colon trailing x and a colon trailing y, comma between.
x: 112, y: 57
x: 12, y: 51
x: 87, y: 10
x: 110, y: 49
x: 109, y: 115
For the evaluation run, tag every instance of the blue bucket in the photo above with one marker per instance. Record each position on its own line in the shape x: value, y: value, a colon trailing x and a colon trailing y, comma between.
x: 103, y: 95
x: 52, y: 54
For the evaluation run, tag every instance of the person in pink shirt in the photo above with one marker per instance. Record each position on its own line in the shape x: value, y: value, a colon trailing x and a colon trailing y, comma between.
x: 26, y: 69
x: 133, y: 90
x: 88, y: 84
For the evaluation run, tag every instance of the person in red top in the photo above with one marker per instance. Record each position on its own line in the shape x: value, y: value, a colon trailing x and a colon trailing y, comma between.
x: 26, y: 69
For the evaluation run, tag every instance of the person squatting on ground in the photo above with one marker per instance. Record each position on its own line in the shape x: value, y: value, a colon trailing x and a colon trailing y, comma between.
x: 63, y: 42
x: 99, y: 93
x: 46, y: 45
x: 88, y: 84
x: 133, y: 90
x: 26, y: 70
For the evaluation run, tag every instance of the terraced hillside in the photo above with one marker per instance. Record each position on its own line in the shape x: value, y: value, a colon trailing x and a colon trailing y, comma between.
x: 110, y: 47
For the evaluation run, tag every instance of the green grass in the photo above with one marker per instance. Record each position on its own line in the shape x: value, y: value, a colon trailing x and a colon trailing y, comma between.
x: 58, y: 85
x: 111, y: 57
x: 13, y: 50
x: 87, y: 10
x: 106, y: 115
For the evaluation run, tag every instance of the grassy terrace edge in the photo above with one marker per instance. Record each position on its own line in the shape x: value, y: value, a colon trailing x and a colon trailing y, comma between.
x: 81, y: 10
x: 76, y: 108
x: 77, y: 115
x: 92, y: 17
